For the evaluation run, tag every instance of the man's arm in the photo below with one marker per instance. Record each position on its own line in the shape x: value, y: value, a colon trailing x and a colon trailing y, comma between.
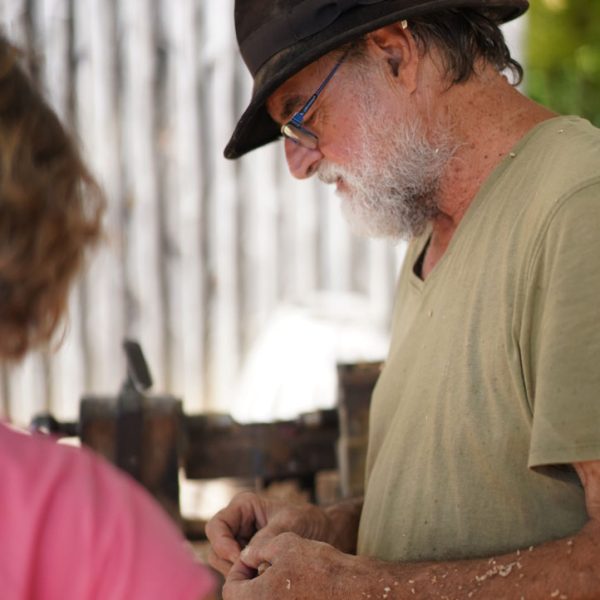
x: 565, y: 569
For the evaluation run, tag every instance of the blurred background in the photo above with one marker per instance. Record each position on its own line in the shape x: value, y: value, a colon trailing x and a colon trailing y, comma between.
x: 563, y: 56
x: 243, y: 286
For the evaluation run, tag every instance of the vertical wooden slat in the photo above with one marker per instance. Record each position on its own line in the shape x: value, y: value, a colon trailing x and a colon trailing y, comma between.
x: 145, y: 317
x: 97, y: 344
x: 104, y: 311
x: 257, y: 254
x: 305, y: 235
x: 258, y: 240
x: 336, y: 245
x: 163, y: 151
x: 299, y: 234
x: 224, y: 353
x: 184, y: 205
x: 52, y: 28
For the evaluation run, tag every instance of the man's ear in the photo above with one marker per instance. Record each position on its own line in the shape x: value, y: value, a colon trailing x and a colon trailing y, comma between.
x: 396, y: 45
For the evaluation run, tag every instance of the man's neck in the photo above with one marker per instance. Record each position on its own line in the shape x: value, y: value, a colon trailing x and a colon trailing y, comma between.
x: 488, y: 117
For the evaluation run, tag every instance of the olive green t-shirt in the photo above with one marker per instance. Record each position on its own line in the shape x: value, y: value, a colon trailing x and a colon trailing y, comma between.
x: 492, y: 384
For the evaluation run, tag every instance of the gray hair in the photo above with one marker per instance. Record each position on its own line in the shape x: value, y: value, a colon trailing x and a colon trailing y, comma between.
x: 463, y: 37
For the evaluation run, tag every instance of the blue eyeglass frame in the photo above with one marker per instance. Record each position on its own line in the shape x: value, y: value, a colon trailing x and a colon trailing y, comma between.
x: 307, y: 138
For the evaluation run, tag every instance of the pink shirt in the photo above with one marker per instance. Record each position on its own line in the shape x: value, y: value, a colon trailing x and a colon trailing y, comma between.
x: 73, y: 527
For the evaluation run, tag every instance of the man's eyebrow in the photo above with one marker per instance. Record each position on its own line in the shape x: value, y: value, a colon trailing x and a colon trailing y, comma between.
x: 290, y: 106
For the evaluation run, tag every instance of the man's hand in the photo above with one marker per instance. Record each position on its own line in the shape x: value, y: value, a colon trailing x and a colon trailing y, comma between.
x: 298, y: 569
x: 252, y: 517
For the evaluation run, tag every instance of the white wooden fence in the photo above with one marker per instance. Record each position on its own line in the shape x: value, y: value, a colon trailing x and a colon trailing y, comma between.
x: 200, y: 250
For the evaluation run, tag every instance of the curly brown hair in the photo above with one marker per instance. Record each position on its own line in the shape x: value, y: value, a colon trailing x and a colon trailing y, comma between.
x: 50, y: 211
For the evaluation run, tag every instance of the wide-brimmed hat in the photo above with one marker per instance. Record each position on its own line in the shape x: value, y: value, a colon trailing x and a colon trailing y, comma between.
x: 278, y: 38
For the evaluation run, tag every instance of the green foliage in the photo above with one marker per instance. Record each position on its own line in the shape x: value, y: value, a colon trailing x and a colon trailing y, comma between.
x: 563, y: 65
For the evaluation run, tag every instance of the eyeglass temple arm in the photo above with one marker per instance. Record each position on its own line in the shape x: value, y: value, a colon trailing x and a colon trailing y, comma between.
x: 300, y: 114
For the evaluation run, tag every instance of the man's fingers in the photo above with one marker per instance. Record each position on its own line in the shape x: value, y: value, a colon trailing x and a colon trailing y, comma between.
x: 252, y: 554
x: 243, y: 583
x: 231, y: 528
x: 240, y: 572
x: 227, y: 549
x: 222, y: 540
x: 219, y: 564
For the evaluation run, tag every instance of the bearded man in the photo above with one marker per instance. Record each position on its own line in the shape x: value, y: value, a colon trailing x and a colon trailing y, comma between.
x: 483, y: 469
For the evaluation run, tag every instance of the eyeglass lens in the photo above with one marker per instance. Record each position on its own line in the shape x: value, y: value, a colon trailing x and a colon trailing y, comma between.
x: 300, y: 135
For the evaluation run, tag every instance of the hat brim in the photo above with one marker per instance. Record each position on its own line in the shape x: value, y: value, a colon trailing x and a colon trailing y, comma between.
x: 255, y: 127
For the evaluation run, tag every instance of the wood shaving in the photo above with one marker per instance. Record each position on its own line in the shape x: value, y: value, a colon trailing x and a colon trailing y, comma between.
x: 502, y: 570
x: 263, y: 567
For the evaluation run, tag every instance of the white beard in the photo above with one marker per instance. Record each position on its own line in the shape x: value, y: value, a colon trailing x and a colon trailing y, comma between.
x: 391, y: 192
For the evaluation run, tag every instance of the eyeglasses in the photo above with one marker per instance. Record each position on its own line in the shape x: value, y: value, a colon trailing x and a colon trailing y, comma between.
x: 294, y: 130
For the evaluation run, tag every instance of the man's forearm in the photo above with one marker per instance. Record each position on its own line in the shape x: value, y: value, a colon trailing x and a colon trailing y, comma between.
x: 344, y: 517
x: 564, y: 569
x: 304, y: 569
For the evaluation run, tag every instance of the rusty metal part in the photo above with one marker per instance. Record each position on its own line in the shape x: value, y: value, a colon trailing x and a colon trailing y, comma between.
x: 153, y: 456
x: 269, y: 451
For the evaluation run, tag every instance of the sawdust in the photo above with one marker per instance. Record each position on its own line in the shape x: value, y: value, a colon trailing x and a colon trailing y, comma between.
x: 263, y: 567
x: 570, y: 547
x: 502, y: 570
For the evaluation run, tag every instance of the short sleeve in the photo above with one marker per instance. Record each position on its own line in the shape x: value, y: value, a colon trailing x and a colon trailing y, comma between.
x: 564, y: 333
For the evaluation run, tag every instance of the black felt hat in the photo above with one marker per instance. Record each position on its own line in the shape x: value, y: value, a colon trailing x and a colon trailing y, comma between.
x: 278, y: 38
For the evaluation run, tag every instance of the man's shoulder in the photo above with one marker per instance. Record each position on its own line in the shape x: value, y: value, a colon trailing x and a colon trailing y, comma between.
x: 561, y: 156
x: 556, y: 163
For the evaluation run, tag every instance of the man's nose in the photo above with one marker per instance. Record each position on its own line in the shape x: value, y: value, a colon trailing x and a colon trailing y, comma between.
x: 302, y: 162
